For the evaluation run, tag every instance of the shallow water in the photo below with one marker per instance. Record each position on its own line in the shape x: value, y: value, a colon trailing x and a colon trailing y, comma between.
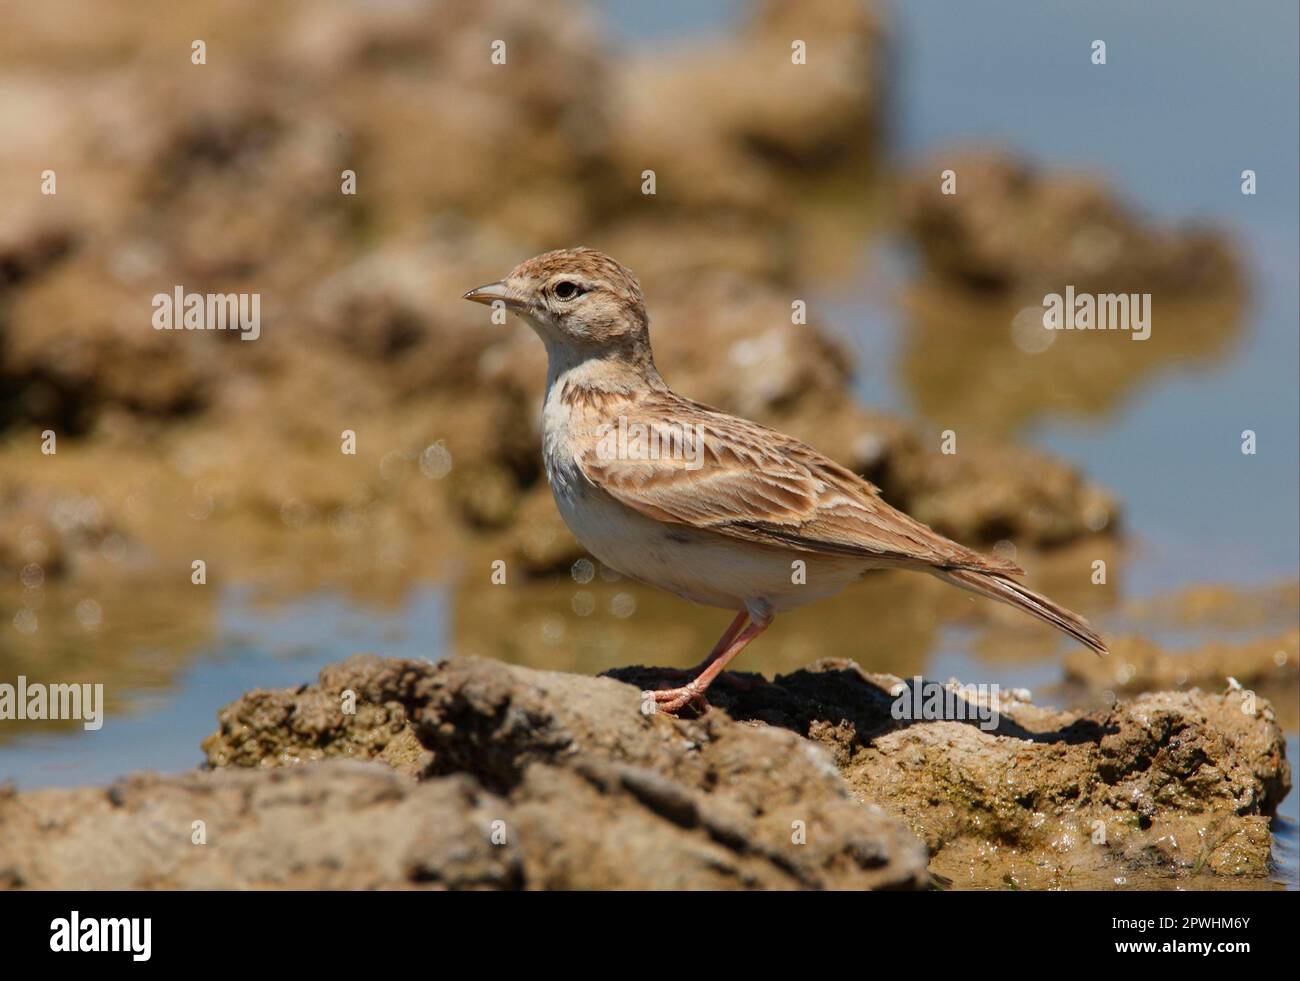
x: 252, y: 647
x: 1185, y: 104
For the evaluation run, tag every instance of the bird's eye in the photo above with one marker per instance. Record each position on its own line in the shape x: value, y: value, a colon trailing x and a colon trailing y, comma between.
x: 566, y: 290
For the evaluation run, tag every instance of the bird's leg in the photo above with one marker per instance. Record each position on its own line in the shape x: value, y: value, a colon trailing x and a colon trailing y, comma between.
x: 673, y: 699
x: 723, y: 642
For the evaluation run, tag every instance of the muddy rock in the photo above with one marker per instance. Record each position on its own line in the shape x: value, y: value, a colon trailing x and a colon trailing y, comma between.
x: 432, y: 108
x: 356, y: 710
x: 538, y: 780
x: 335, y: 825
x: 1168, y: 785
x: 1223, y: 607
x: 45, y: 535
x: 754, y: 790
x: 539, y: 737
x: 769, y: 120
x: 1165, y: 786
x: 29, y: 246
x: 79, y: 341
x: 1139, y: 664
x: 1010, y: 227
x: 987, y: 492
x: 352, y: 825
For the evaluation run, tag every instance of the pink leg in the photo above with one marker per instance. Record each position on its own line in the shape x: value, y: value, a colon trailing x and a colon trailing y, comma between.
x: 723, y: 642
x: 673, y: 699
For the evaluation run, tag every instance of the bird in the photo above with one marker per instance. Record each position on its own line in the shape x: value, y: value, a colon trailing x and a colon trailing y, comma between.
x: 712, y: 507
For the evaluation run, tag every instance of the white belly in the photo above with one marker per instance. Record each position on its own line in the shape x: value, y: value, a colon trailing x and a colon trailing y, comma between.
x: 700, y: 566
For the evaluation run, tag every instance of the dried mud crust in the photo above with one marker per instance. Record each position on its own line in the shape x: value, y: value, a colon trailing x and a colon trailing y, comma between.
x: 1168, y: 784
x: 536, y: 780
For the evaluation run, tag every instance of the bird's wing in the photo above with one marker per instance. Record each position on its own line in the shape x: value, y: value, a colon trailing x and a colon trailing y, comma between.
x: 684, y: 463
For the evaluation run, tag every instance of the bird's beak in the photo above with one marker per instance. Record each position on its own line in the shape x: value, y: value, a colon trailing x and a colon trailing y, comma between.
x: 489, y: 294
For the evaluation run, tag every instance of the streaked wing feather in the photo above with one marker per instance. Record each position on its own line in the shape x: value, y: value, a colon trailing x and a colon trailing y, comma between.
x: 757, y: 485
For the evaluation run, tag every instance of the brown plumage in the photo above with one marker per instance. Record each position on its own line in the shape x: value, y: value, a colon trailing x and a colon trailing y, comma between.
x: 705, y: 504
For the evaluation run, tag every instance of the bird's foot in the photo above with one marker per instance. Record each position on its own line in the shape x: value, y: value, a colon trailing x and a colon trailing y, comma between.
x: 670, y: 701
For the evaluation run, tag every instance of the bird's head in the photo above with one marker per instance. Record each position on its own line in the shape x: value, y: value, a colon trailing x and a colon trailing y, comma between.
x: 579, y: 301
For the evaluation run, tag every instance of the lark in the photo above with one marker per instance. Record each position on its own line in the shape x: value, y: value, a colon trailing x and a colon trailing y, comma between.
x: 714, y: 508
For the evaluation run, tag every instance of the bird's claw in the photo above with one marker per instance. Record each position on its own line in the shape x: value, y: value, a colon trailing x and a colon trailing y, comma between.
x: 672, y: 700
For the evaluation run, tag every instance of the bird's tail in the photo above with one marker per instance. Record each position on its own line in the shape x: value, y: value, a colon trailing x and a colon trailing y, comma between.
x: 1012, y: 593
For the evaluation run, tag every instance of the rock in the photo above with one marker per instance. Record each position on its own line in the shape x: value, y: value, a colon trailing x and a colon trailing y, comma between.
x: 393, y: 307
x: 987, y: 492
x: 1139, y: 664
x: 1153, y: 775
x: 1167, y: 785
x: 538, y: 779
x: 28, y: 247
x: 525, y: 733
x: 759, y: 364
x: 336, y: 825
x: 754, y: 791
x: 286, y: 727
x: 432, y: 106
x: 45, y: 535
x: 78, y: 341
x: 1013, y: 228
x: 766, y: 122
x: 1223, y: 607
x: 581, y: 788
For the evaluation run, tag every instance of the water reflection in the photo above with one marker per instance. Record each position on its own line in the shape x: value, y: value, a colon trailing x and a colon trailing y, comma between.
x: 992, y: 365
